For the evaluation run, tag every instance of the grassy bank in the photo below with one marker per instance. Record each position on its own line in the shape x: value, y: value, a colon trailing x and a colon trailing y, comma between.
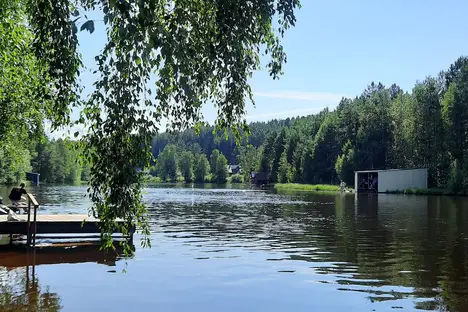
x: 429, y: 191
x: 309, y: 187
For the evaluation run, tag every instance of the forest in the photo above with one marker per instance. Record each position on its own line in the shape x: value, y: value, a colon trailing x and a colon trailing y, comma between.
x: 57, y: 161
x: 383, y: 127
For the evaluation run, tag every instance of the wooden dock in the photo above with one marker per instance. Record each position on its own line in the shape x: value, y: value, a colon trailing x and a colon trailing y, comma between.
x: 52, y: 224
x: 32, y: 223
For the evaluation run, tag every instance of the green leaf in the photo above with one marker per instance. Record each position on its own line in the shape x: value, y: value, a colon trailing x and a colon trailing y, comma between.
x: 91, y: 27
x: 88, y: 25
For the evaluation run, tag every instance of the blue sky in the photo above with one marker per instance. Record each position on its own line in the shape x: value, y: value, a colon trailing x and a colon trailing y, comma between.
x: 339, y: 46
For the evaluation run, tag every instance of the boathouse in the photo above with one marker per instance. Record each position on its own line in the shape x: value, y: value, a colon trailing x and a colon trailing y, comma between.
x: 259, y: 178
x: 382, y: 181
x: 34, y: 177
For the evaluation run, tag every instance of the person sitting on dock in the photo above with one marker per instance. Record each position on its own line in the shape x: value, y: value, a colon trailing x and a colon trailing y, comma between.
x: 342, y: 186
x: 16, y: 194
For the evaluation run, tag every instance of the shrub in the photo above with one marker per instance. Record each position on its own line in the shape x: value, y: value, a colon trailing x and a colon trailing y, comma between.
x: 308, y: 187
x: 211, y: 178
x: 150, y: 179
x: 237, y: 178
x: 455, y: 182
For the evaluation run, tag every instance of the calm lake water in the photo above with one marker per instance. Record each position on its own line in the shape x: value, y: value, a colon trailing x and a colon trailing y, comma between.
x: 244, y: 250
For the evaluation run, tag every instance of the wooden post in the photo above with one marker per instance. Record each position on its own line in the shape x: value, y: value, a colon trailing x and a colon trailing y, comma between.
x: 30, y: 231
x: 27, y: 273
x: 28, y: 224
x: 132, y: 232
x: 34, y: 266
x: 35, y: 225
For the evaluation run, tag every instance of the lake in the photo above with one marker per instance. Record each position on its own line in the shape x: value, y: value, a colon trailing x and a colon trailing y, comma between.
x: 221, y: 249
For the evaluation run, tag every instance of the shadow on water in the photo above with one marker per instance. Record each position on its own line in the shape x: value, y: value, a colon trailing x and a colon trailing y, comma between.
x: 58, y: 253
x: 20, y: 289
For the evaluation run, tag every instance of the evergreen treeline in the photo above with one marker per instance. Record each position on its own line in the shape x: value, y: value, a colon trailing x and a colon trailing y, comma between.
x: 208, y: 140
x: 384, y: 127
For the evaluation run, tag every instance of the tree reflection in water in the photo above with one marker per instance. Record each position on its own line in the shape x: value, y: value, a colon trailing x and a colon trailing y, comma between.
x: 391, y: 248
x: 20, y: 289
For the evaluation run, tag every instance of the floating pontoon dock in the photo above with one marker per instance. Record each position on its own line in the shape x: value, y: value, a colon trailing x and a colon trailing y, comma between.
x: 50, y: 224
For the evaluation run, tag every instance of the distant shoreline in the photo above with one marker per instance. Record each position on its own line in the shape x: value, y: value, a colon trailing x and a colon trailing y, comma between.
x: 322, y: 188
x: 330, y: 188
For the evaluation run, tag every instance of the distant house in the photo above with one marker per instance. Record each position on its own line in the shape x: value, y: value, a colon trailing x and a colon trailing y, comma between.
x: 233, y: 169
x: 259, y: 178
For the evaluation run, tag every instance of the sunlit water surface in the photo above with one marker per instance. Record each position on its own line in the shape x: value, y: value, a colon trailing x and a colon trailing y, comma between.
x: 221, y: 249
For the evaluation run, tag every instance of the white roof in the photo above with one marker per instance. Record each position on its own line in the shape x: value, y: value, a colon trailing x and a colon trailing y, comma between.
x: 385, y: 170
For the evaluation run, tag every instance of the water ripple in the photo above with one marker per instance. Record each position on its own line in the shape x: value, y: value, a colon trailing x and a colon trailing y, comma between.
x: 245, y: 248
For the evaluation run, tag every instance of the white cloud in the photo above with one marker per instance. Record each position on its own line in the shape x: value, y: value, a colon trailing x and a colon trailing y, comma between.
x: 305, y: 103
x: 292, y: 104
x: 65, y: 132
x: 286, y: 114
x: 302, y: 96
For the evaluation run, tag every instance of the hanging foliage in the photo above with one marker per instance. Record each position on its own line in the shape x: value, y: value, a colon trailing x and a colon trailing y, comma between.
x: 162, y: 59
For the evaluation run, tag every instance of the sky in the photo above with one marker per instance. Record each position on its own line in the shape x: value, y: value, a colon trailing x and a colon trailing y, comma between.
x: 339, y: 46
